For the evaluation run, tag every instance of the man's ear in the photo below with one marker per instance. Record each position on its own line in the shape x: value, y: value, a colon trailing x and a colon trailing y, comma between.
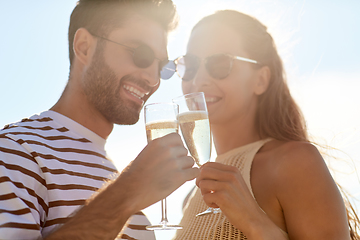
x: 84, y: 46
x: 263, y: 79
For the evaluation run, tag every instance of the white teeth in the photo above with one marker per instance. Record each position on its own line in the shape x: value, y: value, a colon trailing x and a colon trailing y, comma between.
x: 211, y: 99
x: 135, y: 92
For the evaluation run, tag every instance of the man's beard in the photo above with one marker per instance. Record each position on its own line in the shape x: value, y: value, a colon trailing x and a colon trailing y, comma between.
x: 102, y: 88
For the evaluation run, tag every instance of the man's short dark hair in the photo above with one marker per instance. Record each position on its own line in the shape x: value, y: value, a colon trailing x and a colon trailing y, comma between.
x: 102, y: 16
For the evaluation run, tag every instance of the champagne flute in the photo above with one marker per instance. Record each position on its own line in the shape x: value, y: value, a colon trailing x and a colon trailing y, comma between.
x: 195, y: 128
x: 160, y: 120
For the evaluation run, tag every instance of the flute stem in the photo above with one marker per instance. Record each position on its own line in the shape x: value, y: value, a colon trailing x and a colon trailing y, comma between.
x: 164, y: 219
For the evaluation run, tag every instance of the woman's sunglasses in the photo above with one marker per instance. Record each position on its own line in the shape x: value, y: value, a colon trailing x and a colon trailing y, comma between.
x: 218, y: 66
x: 143, y: 56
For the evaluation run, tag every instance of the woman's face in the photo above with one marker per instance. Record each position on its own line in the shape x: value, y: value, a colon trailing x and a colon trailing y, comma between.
x: 232, y: 98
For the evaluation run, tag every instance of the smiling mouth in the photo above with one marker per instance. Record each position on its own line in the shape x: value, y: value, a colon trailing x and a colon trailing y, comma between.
x: 212, y: 99
x: 135, y: 91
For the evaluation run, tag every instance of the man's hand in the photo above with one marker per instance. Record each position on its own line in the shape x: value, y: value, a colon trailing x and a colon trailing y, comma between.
x: 159, y: 169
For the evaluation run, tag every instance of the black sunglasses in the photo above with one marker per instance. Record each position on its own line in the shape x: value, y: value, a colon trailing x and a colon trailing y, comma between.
x: 143, y: 56
x: 218, y: 66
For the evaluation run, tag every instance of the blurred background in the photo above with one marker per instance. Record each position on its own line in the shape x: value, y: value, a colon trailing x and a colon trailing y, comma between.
x: 318, y: 41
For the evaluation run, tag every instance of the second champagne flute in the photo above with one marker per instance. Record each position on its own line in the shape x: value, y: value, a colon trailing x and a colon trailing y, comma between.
x: 195, y: 128
x: 160, y: 120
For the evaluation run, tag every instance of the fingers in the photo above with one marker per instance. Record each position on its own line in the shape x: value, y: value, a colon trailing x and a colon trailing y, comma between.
x: 219, y: 166
x: 172, y: 139
x: 181, y: 169
x: 223, y: 186
x: 170, y: 144
x: 211, y: 191
x: 162, y: 167
x: 212, y: 200
x: 183, y: 162
x: 210, y: 186
x: 190, y: 173
x: 217, y: 172
x: 218, y: 182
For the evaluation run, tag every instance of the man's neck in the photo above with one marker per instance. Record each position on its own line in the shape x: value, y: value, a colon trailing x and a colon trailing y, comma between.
x: 75, y: 106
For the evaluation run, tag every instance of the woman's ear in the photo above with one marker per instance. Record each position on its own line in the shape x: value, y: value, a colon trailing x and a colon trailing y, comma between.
x: 84, y: 46
x: 263, y: 79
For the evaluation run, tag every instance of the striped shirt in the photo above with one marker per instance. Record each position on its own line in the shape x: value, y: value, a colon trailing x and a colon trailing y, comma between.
x: 49, y: 166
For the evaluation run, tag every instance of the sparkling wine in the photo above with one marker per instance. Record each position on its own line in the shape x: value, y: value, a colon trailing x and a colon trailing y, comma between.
x: 160, y: 129
x: 195, y: 129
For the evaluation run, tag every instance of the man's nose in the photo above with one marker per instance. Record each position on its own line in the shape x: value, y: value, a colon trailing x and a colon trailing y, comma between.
x: 152, y: 74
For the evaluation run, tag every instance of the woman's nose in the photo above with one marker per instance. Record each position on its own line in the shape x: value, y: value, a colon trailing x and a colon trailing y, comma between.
x: 201, y: 77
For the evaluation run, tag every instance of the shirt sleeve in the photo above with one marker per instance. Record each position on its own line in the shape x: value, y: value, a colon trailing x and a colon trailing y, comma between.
x: 23, y: 204
x: 136, y: 228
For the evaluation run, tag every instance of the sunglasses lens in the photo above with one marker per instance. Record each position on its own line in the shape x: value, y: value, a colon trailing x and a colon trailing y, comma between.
x: 218, y: 66
x: 187, y: 67
x: 168, y: 70
x: 143, y: 56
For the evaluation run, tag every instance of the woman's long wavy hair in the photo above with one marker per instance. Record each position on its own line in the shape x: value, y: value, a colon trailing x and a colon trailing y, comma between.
x: 277, y: 114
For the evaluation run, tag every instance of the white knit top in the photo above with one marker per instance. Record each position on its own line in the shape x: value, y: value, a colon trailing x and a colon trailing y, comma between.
x: 216, y: 226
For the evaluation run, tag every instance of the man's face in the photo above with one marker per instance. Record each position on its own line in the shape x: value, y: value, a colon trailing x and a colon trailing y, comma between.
x: 113, y: 84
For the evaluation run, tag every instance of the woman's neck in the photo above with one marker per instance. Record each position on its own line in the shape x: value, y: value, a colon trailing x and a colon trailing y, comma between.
x: 234, y: 134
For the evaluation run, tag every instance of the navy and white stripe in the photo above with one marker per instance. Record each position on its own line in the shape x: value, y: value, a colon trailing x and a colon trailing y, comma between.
x: 49, y: 166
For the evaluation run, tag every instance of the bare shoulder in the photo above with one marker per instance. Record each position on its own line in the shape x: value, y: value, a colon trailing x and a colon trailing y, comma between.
x: 293, y: 185
x: 295, y: 165
x: 291, y: 154
x: 305, y: 196
x: 286, y: 163
x: 291, y: 148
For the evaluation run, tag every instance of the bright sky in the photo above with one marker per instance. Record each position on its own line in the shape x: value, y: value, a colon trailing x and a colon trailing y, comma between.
x: 318, y: 41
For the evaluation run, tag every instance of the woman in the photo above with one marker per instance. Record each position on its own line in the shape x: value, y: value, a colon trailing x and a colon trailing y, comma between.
x: 269, y: 181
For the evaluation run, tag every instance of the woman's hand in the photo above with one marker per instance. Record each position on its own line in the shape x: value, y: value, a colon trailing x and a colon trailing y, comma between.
x: 223, y: 186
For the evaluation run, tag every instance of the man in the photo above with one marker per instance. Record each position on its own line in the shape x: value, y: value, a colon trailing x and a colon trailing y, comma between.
x: 52, y: 163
